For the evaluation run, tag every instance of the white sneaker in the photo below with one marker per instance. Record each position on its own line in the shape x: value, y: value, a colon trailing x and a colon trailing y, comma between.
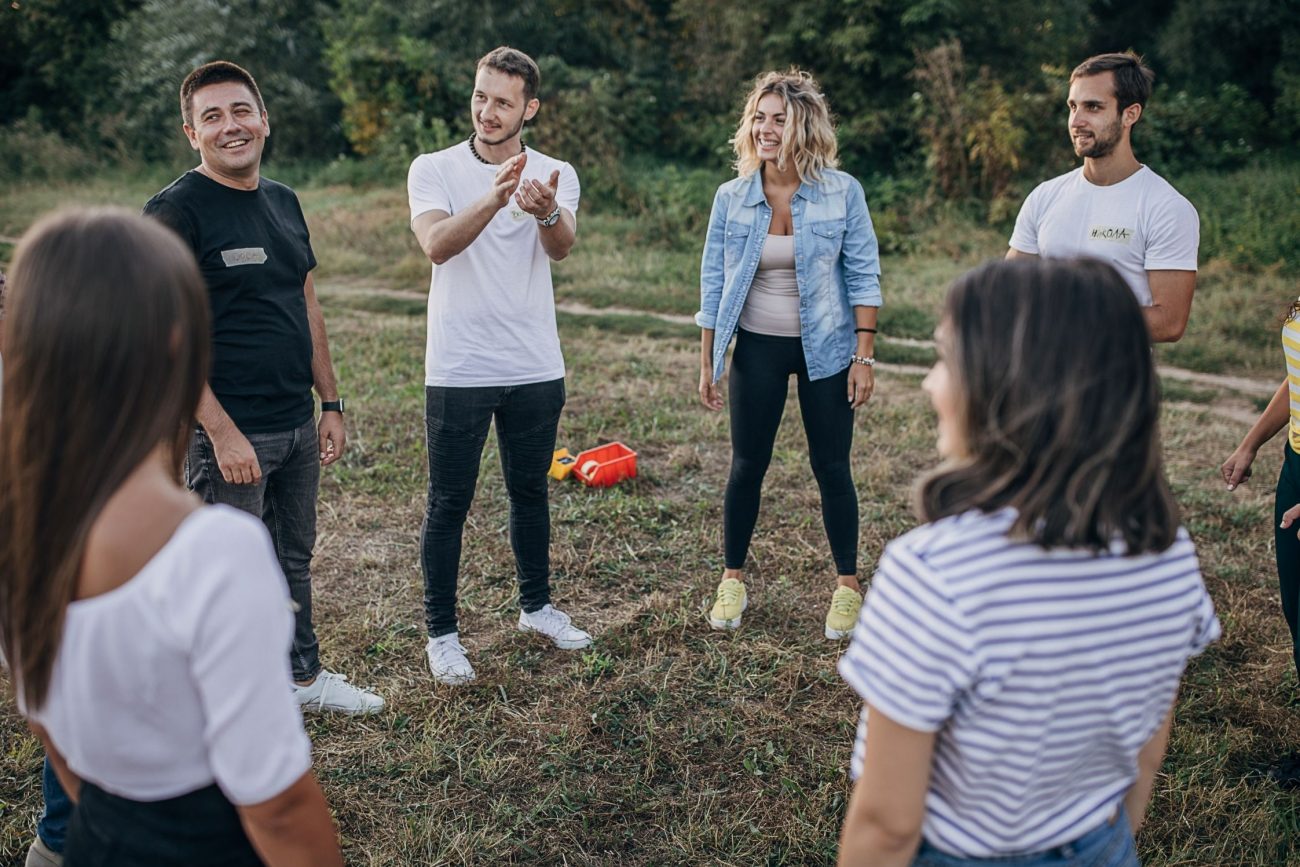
x: 331, y: 691
x: 447, y: 660
x: 555, y: 625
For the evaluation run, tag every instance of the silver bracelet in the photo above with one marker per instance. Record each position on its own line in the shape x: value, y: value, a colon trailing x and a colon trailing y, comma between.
x: 868, y: 360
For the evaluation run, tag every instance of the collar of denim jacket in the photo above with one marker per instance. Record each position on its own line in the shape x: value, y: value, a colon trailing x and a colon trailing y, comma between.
x: 754, y: 195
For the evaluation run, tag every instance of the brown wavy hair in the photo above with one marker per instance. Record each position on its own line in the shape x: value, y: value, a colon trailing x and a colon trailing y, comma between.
x: 106, y: 355
x: 809, y: 140
x: 1060, y: 407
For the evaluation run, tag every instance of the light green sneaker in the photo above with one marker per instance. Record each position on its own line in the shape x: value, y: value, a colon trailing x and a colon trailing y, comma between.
x: 843, y: 614
x: 729, y: 605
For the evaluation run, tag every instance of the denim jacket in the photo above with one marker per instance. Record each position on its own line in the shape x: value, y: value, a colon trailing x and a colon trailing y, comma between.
x: 836, y: 264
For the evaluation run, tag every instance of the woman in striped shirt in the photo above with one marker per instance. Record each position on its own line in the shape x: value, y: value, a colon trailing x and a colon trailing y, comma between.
x: 1019, y: 653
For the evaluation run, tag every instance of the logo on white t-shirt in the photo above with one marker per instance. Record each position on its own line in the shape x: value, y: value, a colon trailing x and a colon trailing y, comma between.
x: 1115, y: 234
x: 518, y: 214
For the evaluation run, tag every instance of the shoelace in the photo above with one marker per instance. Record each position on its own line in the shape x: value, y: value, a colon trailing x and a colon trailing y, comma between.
x: 843, y: 603
x: 441, y: 652
x: 730, y: 594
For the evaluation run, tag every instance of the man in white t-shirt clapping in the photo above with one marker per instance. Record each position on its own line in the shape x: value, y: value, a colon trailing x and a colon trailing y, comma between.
x: 1113, y: 207
x: 491, y: 214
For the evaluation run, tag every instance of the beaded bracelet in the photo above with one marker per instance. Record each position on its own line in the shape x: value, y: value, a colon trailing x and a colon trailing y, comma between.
x: 868, y: 360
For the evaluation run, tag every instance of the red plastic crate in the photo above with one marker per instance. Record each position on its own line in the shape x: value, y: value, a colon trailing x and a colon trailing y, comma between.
x: 614, y: 462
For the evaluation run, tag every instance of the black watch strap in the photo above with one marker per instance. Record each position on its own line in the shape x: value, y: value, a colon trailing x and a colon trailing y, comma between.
x: 332, y: 405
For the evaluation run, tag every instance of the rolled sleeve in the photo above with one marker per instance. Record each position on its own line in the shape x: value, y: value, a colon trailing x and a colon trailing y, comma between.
x: 860, y: 252
x: 711, y: 265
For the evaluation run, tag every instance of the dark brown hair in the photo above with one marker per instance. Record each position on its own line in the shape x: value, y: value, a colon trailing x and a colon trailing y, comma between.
x: 514, y: 62
x: 1060, y: 407
x: 1133, y: 78
x: 107, y: 353
x: 216, y: 72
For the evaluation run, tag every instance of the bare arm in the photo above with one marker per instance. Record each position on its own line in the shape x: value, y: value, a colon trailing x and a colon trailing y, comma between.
x: 69, y: 781
x: 331, y: 430
x: 538, y: 199
x: 442, y: 235
x: 1236, y: 469
x: 235, y: 456
x: 293, y: 829
x: 862, y: 377
x: 710, y: 393
x: 1013, y: 253
x: 1150, y: 757
x: 882, y: 827
x: 1171, y: 304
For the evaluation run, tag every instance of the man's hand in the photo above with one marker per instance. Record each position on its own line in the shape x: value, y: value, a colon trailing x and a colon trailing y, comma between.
x: 236, y: 458
x: 333, y: 437
x: 537, y: 198
x: 507, y: 179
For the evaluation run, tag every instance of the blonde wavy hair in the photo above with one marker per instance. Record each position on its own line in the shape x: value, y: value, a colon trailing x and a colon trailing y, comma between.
x: 809, y: 139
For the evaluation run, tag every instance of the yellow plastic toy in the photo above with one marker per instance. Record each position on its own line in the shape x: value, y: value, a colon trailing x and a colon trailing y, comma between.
x: 561, y: 464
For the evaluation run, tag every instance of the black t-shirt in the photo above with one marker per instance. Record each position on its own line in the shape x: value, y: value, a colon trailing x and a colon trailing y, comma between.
x: 254, y: 251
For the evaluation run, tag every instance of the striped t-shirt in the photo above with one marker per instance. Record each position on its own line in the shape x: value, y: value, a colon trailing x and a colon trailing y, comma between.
x: 1291, y: 348
x: 1043, y: 673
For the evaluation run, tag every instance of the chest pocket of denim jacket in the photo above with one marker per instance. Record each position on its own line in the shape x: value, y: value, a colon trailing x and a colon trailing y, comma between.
x: 734, y: 246
x: 828, y: 238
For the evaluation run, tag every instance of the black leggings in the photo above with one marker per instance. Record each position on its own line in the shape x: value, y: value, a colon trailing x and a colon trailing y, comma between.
x: 1288, y: 546
x: 760, y: 372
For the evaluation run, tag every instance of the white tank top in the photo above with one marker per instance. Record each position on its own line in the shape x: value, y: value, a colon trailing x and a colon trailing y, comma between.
x: 772, y: 306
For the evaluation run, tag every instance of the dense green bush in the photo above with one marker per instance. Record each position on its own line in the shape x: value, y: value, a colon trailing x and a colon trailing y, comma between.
x: 1181, y: 132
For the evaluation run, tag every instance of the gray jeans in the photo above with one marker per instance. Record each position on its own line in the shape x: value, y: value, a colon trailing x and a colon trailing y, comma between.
x: 285, y: 500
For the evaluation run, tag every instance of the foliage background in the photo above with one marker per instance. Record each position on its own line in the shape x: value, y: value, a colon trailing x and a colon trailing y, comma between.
x: 954, y: 99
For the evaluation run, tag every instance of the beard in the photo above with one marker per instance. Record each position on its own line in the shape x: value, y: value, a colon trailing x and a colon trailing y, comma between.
x: 1101, y: 144
x: 506, y: 133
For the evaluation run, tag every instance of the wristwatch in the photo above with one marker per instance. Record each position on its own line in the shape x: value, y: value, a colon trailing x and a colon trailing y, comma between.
x: 332, y: 405
x: 550, y: 219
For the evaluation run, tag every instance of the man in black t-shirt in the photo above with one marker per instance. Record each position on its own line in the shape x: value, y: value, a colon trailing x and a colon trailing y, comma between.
x: 258, y: 447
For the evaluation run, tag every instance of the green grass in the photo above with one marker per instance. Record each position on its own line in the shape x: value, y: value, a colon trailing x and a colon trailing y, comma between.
x: 666, y: 742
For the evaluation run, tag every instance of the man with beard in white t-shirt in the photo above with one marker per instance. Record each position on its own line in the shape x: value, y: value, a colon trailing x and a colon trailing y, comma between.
x: 1114, y: 208
x: 491, y: 214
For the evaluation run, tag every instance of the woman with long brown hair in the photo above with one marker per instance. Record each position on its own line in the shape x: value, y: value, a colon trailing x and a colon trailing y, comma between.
x: 1019, y: 653
x: 144, y: 633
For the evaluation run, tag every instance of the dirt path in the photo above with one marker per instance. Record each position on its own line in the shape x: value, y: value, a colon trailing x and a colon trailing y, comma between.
x: 1232, y: 400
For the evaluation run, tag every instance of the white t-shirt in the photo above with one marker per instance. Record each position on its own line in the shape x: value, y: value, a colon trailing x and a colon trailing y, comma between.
x: 1140, y: 224
x: 180, y: 677
x: 492, y: 306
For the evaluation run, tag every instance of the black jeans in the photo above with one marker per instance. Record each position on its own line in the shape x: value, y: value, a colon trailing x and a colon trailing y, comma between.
x: 198, y: 829
x: 285, y: 500
x: 1288, y: 547
x: 761, y: 367
x: 456, y: 422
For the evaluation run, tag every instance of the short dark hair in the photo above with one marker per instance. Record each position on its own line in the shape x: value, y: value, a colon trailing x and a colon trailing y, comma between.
x: 1060, y: 407
x: 1133, y: 78
x: 514, y: 62
x: 216, y: 72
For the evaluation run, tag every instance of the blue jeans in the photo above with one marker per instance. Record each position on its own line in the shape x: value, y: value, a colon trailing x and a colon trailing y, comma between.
x: 53, y: 825
x: 285, y: 500
x: 1110, y: 844
x: 456, y: 424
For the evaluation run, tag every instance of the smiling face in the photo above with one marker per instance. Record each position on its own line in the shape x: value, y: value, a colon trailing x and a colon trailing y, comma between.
x: 229, y: 130
x: 768, y: 129
x: 1096, y: 124
x: 498, y: 106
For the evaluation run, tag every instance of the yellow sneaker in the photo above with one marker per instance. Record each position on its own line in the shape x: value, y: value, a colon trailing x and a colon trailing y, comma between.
x: 729, y: 605
x: 843, y: 614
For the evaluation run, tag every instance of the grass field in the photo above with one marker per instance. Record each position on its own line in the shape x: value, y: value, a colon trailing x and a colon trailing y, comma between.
x: 666, y: 742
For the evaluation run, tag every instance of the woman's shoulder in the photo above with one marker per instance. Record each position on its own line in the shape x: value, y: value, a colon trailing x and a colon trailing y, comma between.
x: 832, y: 180
x: 734, y: 188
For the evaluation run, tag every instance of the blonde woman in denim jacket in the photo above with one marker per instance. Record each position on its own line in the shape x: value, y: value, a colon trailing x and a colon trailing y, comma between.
x: 791, y: 270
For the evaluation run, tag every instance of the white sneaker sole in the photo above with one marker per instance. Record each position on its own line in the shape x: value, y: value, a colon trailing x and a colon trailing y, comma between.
x: 733, y: 623
x: 452, y: 679
x: 837, y: 634
x: 561, y: 643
